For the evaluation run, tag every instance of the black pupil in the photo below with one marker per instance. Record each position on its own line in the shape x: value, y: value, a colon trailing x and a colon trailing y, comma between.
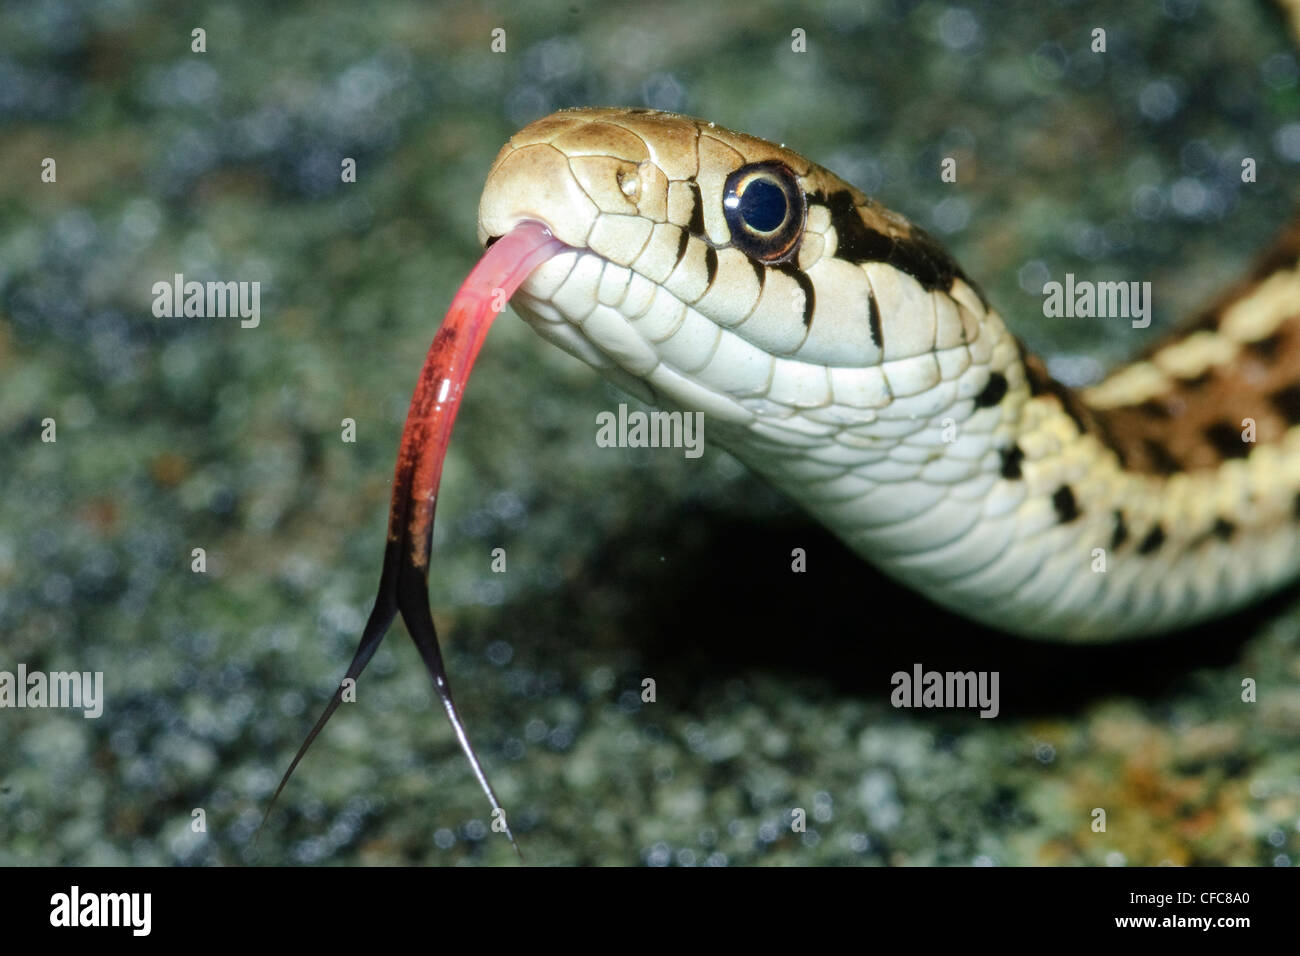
x: 763, y: 205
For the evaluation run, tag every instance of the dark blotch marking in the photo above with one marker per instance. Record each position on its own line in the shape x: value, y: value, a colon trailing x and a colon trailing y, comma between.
x: 1154, y: 539
x: 1226, y: 439
x: 711, y: 263
x: 1074, y: 408
x: 919, y: 255
x: 1266, y: 348
x: 993, y: 392
x: 1011, y: 459
x: 854, y: 241
x: 1121, y: 531
x: 1154, y: 409
x: 1223, y: 529
x: 1162, y: 461
x: 797, y: 274
x: 1067, y: 509
x: 1287, y: 401
x: 1040, y: 383
x: 1085, y: 419
x: 683, y: 241
x: 1035, y: 373
x: 696, y: 225
x: 491, y: 239
x: 873, y: 319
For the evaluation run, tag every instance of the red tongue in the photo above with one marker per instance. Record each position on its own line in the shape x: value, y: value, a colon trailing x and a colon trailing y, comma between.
x: 403, y: 583
x: 501, y: 271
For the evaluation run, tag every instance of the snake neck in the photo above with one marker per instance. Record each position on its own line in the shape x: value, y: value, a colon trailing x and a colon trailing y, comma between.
x: 1165, y: 495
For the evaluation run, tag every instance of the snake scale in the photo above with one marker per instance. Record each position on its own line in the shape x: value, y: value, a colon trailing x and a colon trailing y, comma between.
x: 840, y: 351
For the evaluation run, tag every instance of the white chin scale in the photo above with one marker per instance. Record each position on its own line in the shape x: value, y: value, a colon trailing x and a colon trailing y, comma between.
x: 633, y: 331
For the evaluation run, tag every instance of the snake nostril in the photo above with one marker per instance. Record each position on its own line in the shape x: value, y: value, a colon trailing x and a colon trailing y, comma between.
x: 629, y: 183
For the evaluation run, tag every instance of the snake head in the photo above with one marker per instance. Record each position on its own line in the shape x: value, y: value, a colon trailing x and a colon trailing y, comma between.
x: 714, y: 271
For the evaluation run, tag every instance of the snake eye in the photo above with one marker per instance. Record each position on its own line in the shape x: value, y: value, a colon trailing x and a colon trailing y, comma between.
x: 765, y: 211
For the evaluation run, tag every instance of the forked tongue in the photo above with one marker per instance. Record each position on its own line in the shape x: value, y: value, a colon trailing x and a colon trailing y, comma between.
x: 404, y: 581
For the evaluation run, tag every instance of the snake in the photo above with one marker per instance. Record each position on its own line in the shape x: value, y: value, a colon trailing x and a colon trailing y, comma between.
x: 842, y: 353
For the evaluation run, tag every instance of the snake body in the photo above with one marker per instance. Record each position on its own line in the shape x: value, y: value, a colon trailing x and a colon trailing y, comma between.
x: 840, y: 352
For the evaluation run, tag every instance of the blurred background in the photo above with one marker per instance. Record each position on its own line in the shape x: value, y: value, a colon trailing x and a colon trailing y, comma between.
x: 772, y: 688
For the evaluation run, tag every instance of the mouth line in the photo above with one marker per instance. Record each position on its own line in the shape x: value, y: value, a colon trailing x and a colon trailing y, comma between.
x: 531, y: 222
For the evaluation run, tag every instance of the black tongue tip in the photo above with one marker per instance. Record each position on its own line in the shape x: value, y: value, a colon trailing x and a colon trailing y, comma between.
x: 381, y: 618
x: 402, y: 587
x: 413, y: 601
